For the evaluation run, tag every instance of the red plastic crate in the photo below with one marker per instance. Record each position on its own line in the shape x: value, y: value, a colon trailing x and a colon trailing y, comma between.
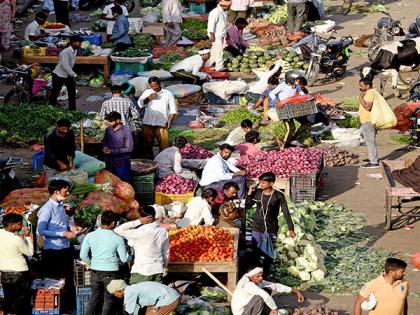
x: 47, y: 299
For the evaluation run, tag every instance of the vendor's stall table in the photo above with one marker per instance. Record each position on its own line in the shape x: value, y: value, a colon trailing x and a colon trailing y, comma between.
x: 231, y: 267
x: 82, y: 139
x: 80, y: 60
x: 397, y: 192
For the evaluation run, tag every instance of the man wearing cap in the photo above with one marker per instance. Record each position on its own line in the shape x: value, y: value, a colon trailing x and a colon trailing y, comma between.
x: 171, y: 13
x: 251, y: 294
x: 147, y: 297
x: 189, y: 69
x: 217, y: 32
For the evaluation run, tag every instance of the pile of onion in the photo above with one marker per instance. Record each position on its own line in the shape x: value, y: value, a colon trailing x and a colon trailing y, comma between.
x: 191, y: 151
x: 176, y: 185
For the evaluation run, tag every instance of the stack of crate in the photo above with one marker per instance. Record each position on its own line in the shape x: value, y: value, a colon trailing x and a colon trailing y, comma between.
x: 83, y: 291
x: 46, y: 301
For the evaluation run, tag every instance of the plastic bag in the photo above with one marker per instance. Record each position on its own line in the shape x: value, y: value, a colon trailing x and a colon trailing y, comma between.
x: 76, y: 177
x: 88, y: 163
x: 381, y: 115
x: 151, y: 17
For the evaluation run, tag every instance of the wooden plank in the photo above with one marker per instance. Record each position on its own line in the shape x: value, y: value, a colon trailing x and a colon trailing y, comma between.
x: 392, y: 186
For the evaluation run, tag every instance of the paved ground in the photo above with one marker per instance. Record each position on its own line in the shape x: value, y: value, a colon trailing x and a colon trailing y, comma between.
x: 347, y: 185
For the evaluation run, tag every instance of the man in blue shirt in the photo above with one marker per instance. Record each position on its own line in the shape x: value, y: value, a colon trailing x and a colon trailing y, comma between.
x: 148, y: 297
x: 103, y: 249
x: 120, y: 30
x: 57, y: 254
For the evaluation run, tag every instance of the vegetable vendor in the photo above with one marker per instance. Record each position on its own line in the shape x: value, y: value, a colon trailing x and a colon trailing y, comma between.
x: 102, y: 250
x: 251, y: 294
x: 229, y: 192
x: 33, y: 31
x: 118, y: 145
x: 60, y: 149
x: 265, y: 99
x: 160, y: 111
x: 172, y: 18
x: 217, y: 32
x: 237, y: 135
x: 188, y: 69
x: 145, y: 298
x: 109, y: 17
x: 235, y: 44
x: 265, y: 225
x: 199, y: 210
x: 218, y: 171
x: 151, y: 246
x: 387, y: 294
x: 296, y: 15
x: 120, y: 29
x: 124, y: 106
x: 63, y: 73
x: 257, y: 88
x: 170, y: 161
x: 15, y: 274
x: 249, y: 147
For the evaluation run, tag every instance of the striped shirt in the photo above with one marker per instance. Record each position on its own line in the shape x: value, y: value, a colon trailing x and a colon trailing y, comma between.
x: 125, y: 107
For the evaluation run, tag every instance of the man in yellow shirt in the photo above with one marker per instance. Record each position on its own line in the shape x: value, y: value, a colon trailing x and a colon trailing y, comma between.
x: 390, y: 291
x: 368, y: 129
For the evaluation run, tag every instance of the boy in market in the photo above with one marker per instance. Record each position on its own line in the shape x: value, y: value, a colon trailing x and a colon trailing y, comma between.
x: 237, y: 135
x: 387, y: 294
x: 265, y: 225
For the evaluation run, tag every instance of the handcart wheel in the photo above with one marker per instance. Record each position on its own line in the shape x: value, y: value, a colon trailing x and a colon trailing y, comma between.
x: 388, y: 208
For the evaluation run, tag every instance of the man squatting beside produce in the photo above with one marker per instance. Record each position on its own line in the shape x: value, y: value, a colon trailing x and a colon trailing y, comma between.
x: 118, y: 145
x: 172, y: 18
x: 237, y: 135
x: 60, y: 149
x: 217, y: 32
x: 265, y: 224
x: 160, y: 111
x: 188, y: 69
x: 252, y: 294
x: 387, y: 294
x: 218, y: 171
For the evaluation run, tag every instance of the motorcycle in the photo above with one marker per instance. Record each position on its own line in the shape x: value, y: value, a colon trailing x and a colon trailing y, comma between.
x: 329, y: 56
x: 8, y: 179
x: 89, y: 4
x: 386, y: 29
x: 22, y: 91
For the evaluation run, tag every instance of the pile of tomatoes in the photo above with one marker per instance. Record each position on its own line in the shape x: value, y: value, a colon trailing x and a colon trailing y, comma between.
x: 198, y: 243
x: 54, y: 26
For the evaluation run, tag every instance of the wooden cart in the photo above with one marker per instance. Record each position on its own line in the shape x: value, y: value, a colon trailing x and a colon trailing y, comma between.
x: 396, y: 194
x: 231, y: 267
x: 82, y: 139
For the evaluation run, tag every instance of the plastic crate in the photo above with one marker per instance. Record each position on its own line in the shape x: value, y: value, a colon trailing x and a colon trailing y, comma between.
x: 199, y: 8
x: 47, y: 300
x: 144, y: 186
x: 134, y: 68
x: 306, y: 186
x: 95, y: 39
x: 166, y: 199
x: 38, y: 162
x: 27, y: 51
x: 82, y: 300
x: 82, y: 277
x: 297, y: 110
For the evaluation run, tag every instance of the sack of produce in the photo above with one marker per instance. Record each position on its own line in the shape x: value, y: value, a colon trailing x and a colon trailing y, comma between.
x: 106, y: 201
x: 88, y: 163
x: 381, y: 115
x: 183, y: 90
x: 76, y: 176
x: 20, y: 197
x: 106, y: 176
x: 403, y: 114
x: 124, y: 191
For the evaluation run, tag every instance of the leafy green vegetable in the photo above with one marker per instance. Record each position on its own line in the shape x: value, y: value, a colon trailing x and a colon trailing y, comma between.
x: 143, y: 41
x: 237, y: 115
x: 349, y: 122
x: 403, y: 139
x: 28, y: 124
x: 87, y: 188
x: 194, y: 28
x: 131, y: 53
x: 350, y: 102
x: 86, y: 216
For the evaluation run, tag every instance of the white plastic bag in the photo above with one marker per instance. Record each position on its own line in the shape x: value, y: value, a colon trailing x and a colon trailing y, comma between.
x: 381, y: 115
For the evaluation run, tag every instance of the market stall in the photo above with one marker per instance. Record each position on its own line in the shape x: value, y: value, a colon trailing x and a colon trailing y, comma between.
x: 80, y: 60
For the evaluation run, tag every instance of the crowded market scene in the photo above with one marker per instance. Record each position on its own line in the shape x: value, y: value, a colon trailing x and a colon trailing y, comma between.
x: 209, y: 157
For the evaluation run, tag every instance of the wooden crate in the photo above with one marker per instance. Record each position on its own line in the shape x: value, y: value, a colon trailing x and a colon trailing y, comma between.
x: 229, y: 267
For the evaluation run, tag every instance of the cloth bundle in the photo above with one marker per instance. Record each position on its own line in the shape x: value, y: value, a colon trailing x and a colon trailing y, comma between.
x: 409, y: 176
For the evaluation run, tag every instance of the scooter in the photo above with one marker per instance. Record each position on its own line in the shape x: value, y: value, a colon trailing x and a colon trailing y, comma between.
x: 8, y: 179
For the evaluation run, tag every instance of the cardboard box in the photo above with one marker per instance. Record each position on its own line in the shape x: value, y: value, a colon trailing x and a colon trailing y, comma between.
x: 153, y: 28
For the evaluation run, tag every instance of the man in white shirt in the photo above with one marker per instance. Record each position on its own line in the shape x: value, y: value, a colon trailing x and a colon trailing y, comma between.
x: 257, y: 88
x: 239, y: 9
x: 171, y: 14
x: 151, y: 246
x: 14, y: 272
x: 63, y: 73
x: 199, y: 210
x: 160, y: 111
x: 217, y: 31
x: 219, y: 171
x: 33, y: 31
x: 249, y: 297
x: 108, y: 16
x: 188, y: 69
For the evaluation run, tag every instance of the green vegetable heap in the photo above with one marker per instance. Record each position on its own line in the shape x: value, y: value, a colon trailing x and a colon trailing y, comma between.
x: 349, y: 122
x: 250, y: 60
x: 291, y: 60
x: 143, y: 41
x: 194, y: 29
x: 131, y: 53
x: 86, y: 216
x: 237, y: 115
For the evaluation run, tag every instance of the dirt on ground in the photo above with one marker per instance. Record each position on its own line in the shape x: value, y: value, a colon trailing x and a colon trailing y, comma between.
x: 347, y: 185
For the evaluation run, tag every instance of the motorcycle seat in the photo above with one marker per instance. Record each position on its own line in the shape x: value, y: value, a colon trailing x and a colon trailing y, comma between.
x: 337, y: 44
